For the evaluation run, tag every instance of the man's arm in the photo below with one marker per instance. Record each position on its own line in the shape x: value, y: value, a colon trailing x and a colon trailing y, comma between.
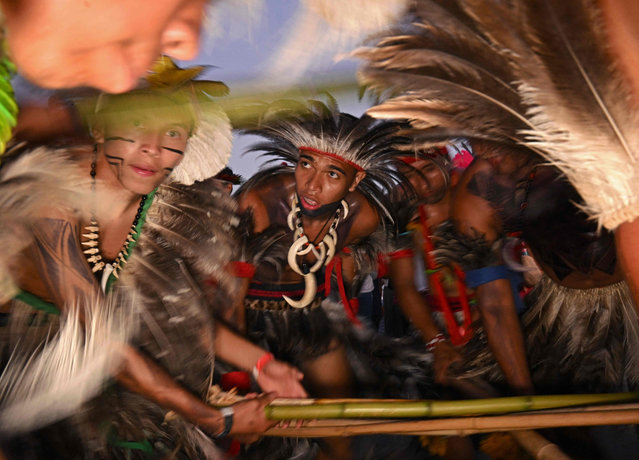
x: 476, y: 217
x: 416, y: 309
x: 275, y: 376
x: 627, y: 241
x: 251, y: 200
x: 504, y: 334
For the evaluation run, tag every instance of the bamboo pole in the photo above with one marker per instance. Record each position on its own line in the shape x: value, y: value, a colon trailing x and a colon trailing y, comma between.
x: 538, y: 446
x: 332, y: 409
x: 461, y: 426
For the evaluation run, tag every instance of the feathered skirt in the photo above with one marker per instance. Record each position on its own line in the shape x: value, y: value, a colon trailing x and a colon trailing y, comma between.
x: 577, y: 340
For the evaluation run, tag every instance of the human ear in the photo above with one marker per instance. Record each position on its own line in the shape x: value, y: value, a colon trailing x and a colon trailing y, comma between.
x: 359, y: 175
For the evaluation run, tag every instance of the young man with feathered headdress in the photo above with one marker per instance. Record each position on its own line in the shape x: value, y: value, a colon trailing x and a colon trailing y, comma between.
x: 328, y: 194
x: 432, y: 297
x: 121, y: 247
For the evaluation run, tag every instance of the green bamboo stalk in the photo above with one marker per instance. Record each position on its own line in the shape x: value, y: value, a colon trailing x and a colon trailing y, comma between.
x: 435, y: 409
x: 464, y: 426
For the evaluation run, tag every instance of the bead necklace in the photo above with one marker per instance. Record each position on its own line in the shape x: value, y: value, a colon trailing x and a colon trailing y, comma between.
x: 92, y: 251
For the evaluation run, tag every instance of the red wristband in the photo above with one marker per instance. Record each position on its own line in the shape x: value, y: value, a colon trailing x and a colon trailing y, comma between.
x: 263, y: 361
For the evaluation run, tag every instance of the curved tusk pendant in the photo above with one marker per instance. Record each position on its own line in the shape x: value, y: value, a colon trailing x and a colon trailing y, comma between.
x: 310, y: 289
x: 305, y: 251
x: 294, y: 210
x: 345, y: 208
x: 320, y: 258
x: 289, y: 219
x: 293, y: 251
x: 330, y: 244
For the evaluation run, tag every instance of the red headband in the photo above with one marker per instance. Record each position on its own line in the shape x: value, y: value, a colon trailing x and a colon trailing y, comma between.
x: 408, y: 160
x: 332, y: 155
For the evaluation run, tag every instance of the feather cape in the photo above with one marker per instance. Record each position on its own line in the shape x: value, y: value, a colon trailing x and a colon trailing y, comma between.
x: 178, y: 276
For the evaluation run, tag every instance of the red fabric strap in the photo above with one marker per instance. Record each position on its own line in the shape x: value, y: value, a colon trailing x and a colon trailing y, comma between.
x: 401, y: 254
x: 459, y: 334
x: 408, y: 160
x: 336, y: 264
x: 332, y: 155
x: 243, y: 269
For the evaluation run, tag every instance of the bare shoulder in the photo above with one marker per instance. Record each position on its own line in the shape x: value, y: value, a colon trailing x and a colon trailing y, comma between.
x: 474, y: 209
x: 264, y: 197
x: 365, y: 217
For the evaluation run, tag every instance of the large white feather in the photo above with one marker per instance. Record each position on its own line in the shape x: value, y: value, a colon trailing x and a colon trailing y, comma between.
x: 71, y: 367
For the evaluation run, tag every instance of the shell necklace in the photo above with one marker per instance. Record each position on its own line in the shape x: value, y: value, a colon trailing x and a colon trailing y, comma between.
x: 323, y: 251
x: 92, y: 236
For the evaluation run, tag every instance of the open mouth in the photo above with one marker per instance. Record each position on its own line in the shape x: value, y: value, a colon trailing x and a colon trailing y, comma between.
x: 143, y: 170
x: 309, y: 204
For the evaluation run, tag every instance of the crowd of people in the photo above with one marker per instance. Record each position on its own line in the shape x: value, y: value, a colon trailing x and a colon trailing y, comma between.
x: 410, y: 252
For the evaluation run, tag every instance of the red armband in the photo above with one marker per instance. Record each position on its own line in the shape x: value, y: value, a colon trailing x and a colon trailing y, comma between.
x: 401, y: 254
x: 243, y: 269
x: 261, y: 363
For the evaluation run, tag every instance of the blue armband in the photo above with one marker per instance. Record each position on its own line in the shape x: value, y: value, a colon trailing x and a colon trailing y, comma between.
x: 485, y: 275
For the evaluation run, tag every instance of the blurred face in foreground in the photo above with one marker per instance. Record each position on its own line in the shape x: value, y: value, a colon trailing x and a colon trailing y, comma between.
x: 107, y: 44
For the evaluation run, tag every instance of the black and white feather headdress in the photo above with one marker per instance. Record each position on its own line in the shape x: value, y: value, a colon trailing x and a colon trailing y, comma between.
x: 366, y: 143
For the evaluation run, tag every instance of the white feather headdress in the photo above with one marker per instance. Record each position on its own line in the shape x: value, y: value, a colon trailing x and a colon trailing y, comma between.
x: 209, y: 147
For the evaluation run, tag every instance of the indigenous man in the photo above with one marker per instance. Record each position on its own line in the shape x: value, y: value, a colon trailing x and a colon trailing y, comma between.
x: 161, y: 241
x: 432, y: 297
x: 432, y: 178
x: 578, y: 329
x: 540, y: 86
x: 330, y: 194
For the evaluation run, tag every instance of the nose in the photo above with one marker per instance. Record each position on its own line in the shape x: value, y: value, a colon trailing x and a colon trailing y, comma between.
x: 181, y: 37
x: 121, y: 76
x: 150, y: 144
x: 313, y: 184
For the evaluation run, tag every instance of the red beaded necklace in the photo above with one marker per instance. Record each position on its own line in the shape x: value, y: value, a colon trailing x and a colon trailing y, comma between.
x: 459, y: 334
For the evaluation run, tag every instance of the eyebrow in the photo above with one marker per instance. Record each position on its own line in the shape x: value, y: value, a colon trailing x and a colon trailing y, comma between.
x: 307, y: 157
x: 312, y: 160
x: 184, y: 126
x: 118, y: 138
x: 338, y: 169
